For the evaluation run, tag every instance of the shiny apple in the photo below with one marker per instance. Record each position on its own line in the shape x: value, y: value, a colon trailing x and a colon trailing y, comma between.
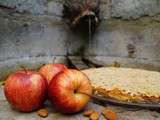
x: 70, y: 91
x: 25, y: 90
x: 50, y: 70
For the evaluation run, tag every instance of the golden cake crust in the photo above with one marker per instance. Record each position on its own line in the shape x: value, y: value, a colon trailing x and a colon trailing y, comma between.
x: 126, y: 84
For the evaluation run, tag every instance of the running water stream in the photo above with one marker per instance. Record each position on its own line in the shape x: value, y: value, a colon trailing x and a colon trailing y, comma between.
x: 90, y: 33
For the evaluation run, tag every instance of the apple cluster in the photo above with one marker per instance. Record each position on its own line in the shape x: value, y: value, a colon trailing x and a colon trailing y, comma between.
x: 68, y: 90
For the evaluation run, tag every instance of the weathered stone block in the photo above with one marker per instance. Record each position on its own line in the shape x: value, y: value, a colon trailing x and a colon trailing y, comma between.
x: 32, y: 6
x: 127, y: 9
x: 42, y: 37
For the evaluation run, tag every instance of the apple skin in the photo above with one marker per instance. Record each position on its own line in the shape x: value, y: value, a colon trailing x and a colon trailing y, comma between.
x: 25, y: 91
x: 51, y: 70
x: 70, y: 91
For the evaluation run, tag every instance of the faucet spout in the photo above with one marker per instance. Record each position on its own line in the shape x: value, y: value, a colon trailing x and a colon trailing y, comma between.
x: 79, y: 13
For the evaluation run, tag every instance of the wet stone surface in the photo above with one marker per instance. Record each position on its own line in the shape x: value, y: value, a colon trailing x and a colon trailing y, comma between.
x: 8, y: 113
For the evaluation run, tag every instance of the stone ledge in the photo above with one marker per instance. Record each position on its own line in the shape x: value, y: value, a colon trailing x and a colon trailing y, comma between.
x: 13, y: 64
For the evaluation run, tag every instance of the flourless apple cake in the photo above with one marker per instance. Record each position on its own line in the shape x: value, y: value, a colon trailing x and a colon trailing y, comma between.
x: 126, y: 84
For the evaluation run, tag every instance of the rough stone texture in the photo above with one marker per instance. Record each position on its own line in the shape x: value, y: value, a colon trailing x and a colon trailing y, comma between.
x: 8, y: 113
x: 134, y: 8
x: 41, y: 36
x: 22, y: 36
x: 114, y: 36
x: 54, y: 8
x: 31, y: 6
x: 126, y: 9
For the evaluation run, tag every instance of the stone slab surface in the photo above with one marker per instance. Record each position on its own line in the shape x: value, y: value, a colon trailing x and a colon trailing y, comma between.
x: 8, y: 113
x: 124, y: 62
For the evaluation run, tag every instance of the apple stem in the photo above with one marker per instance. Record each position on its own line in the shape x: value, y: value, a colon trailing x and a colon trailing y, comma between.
x: 24, y: 68
x: 54, y: 59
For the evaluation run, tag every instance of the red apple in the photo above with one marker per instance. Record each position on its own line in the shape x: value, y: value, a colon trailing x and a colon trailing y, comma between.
x: 50, y: 70
x: 25, y: 90
x: 70, y: 91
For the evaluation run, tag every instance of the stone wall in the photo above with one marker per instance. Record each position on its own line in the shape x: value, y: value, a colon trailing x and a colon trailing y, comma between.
x: 35, y: 28
x: 125, y: 9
